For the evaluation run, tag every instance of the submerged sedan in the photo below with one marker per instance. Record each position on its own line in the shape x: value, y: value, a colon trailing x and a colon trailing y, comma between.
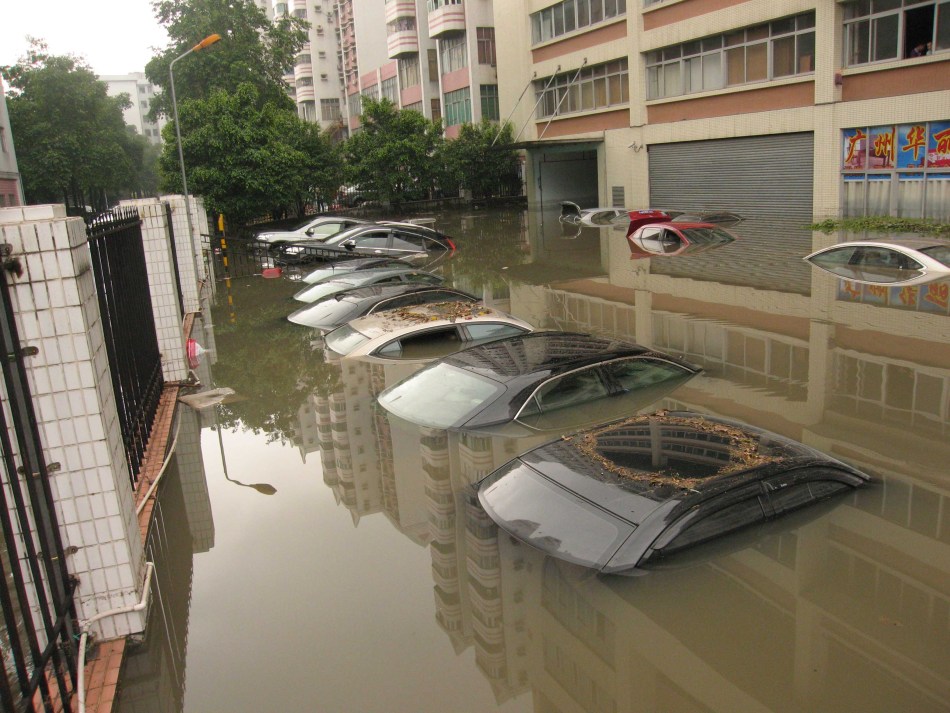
x: 366, y: 278
x: 333, y: 311
x: 541, y: 381
x: 314, y: 228
x: 333, y: 270
x: 413, y: 243
x: 422, y: 332
x: 631, y: 492
x: 898, y: 261
x: 676, y: 238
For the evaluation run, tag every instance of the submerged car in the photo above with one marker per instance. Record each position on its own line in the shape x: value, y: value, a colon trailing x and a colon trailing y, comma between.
x: 575, y: 215
x: 639, y: 218
x: 422, y: 332
x: 332, y: 270
x: 314, y: 228
x: 538, y: 380
x: 898, y: 261
x: 676, y: 239
x: 626, y: 494
x: 366, y: 278
x: 331, y: 312
x: 407, y: 241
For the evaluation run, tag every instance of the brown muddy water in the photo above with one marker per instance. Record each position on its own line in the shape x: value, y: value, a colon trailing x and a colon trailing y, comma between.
x: 313, y: 555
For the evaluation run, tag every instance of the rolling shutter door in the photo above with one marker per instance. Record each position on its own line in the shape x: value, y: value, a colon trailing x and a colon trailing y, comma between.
x: 752, y: 176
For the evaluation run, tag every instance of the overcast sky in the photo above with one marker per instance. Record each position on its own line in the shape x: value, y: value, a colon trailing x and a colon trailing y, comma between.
x: 114, y: 36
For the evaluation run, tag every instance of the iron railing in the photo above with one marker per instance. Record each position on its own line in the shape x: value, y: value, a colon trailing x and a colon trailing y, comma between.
x: 125, y: 304
x: 37, y: 633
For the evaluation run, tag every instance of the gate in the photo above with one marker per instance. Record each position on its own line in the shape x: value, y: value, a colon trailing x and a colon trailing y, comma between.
x: 128, y: 325
x: 37, y: 644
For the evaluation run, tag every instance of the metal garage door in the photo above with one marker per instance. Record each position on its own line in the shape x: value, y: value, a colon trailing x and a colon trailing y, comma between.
x: 752, y: 176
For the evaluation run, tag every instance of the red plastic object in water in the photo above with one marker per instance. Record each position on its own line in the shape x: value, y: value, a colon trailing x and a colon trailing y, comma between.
x: 271, y: 272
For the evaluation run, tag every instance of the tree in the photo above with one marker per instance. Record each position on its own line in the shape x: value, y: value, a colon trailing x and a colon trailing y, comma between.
x: 245, y: 158
x: 476, y: 160
x: 252, y: 50
x: 73, y: 145
x: 391, y: 156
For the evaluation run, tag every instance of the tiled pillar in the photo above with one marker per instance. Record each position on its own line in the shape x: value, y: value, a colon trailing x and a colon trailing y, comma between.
x: 163, y: 287
x: 191, y: 262
x: 57, y: 311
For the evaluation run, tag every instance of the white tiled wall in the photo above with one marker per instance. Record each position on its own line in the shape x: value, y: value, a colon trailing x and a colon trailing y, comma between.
x: 57, y: 311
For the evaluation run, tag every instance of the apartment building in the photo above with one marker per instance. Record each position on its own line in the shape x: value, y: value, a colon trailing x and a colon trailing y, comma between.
x: 810, y: 108
x: 141, y: 92
x: 436, y: 57
x: 11, y: 187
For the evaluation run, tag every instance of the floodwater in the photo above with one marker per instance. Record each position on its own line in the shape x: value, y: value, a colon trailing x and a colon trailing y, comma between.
x: 314, y: 555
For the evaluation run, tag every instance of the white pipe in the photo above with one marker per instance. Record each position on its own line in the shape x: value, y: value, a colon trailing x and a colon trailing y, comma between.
x: 84, y: 628
x: 168, y: 457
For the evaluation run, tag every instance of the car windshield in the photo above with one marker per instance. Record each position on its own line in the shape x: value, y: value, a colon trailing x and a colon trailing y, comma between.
x: 543, y: 514
x: 440, y: 396
x: 940, y: 253
x: 345, y: 339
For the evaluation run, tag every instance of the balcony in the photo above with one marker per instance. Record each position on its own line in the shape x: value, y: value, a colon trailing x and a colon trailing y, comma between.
x: 445, y: 18
x: 399, y: 9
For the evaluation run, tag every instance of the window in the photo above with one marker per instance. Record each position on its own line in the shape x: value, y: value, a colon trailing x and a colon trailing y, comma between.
x: 458, y: 107
x: 371, y: 92
x: 415, y: 106
x: 901, y: 170
x: 436, y: 110
x: 307, y: 111
x: 433, y: 60
x: 570, y: 15
x: 885, y: 30
x: 408, y: 71
x: 330, y: 109
x: 571, y: 390
x: 433, y: 5
x: 595, y: 87
x: 3, y: 139
x: 302, y: 59
x: 454, y: 54
x: 489, y: 95
x: 354, y: 105
x: 300, y: 14
x: 304, y: 82
x: 486, y: 45
x: 390, y: 90
x: 780, y: 48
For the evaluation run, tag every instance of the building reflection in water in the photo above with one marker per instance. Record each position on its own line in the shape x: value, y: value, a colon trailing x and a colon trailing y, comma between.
x: 858, y: 592
x: 153, y: 673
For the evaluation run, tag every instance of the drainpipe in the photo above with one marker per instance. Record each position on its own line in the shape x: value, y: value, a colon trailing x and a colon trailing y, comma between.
x: 84, y: 628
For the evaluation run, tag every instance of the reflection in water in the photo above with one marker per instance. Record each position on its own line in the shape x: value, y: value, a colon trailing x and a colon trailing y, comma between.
x: 845, y: 611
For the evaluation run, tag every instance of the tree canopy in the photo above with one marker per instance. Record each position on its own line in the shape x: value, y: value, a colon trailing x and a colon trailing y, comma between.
x: 252, y: 50
x: 248, y: 159
x: 391, y: 157
x: 72, y: 142
x: 481, y: 159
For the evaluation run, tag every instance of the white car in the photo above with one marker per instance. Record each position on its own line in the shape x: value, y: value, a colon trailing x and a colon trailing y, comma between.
x: 317, y: 229
x: 575, y: 215
x: 366, y: 278
x: 894, y: 262
x: 422, y: 332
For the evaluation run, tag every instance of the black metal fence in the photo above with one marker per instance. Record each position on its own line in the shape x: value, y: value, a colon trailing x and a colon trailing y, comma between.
x: 125, y: 304
x: 37, y: 633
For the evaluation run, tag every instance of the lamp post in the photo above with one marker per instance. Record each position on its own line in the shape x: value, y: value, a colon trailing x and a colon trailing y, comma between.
x: 209, y: 40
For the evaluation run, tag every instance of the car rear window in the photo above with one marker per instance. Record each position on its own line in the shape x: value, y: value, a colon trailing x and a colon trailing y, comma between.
x: 345, y: 339
x: 534, y: 509
x: 439, y: 396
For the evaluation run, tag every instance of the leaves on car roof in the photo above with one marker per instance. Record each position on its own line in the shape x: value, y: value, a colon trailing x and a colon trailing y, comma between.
x: 439, y: 311
x: 740, y: 447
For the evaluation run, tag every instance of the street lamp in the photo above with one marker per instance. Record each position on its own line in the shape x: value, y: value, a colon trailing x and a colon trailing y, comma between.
x: 209, y: 40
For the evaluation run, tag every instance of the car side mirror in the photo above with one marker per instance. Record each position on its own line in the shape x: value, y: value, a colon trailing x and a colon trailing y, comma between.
x: 309, y: 231
x: 349, y: 244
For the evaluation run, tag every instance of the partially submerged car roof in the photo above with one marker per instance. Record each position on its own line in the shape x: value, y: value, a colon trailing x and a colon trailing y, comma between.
x: 615, y: 496
x: 551, y: 352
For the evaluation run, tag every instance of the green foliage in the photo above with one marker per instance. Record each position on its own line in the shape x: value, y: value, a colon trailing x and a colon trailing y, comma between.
x: 883, y: 224
x: 251, y: 50
x: 72, y: 142
x: 391, y: 157
x: 247, y: 159
x: 476, y: 160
